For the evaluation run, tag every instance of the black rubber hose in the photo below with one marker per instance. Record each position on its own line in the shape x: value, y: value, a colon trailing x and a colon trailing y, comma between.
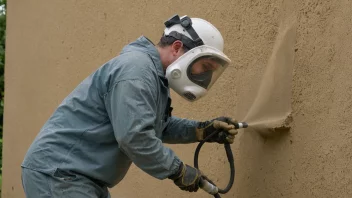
x: 230, y: 158
x: 217, y: 195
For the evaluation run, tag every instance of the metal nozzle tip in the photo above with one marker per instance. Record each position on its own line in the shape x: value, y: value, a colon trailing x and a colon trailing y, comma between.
x: 241, y: 125
x: 245, y: 125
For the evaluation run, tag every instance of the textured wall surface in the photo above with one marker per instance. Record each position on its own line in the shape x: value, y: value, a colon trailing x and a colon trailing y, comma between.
x: 53, y: 45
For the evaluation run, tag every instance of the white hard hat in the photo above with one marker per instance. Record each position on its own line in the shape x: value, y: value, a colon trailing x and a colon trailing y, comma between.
x: 207, y: 32
x: 193, y: 74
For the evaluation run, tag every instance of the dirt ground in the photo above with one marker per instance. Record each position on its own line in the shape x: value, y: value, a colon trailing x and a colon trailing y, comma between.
x: 291, y: 69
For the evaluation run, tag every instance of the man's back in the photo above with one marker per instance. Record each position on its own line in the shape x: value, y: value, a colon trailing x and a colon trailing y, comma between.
x: 79, y: 135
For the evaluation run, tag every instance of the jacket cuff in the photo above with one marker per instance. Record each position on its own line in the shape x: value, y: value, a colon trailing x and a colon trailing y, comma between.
x: 176, y: 168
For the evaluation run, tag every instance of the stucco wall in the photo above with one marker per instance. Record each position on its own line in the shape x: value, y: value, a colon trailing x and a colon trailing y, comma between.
x: 53, y: 45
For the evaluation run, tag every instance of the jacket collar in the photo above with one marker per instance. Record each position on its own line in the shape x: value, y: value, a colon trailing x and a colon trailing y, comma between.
x: 143, y: 44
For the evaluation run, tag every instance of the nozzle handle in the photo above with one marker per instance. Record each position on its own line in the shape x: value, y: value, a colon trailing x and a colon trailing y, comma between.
x: 208, y: 187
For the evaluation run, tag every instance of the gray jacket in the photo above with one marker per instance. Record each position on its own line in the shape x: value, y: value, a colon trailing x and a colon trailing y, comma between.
x: 117, y: 115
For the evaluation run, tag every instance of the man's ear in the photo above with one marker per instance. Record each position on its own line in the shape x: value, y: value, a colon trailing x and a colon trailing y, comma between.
x: 177, y: 47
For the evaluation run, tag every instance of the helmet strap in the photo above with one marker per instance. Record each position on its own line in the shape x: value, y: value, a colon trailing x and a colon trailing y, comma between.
x: 186, y: 23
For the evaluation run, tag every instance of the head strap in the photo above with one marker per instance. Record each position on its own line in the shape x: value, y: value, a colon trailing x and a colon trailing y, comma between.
x: 186, y: 23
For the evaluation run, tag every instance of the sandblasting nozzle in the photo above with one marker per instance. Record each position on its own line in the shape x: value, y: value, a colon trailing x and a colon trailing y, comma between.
x: 241, y: 125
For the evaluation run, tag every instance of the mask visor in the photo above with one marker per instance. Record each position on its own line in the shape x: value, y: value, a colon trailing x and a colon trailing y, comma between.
x: 205, y: 70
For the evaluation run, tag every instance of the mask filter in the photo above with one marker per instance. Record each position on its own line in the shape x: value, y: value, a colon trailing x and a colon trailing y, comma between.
x: 189, y: 95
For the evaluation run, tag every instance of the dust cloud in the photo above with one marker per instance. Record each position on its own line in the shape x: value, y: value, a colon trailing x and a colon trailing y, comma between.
x: 271, y: 109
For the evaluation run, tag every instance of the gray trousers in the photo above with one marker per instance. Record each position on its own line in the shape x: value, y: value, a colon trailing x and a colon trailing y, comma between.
x: 62, y: 184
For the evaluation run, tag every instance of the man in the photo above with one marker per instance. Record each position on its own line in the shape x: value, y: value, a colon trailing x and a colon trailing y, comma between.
x: 121, y: 114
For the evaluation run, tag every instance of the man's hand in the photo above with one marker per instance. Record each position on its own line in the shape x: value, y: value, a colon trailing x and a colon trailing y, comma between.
x: 187, y: 178
x: 226, y: 126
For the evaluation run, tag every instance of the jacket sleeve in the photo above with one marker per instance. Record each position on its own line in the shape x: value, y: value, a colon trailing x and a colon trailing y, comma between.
x: 179, y: 131
x: 131, y: 106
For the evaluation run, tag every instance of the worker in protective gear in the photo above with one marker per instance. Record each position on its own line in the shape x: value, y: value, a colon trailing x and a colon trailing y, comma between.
x: 121, y: 114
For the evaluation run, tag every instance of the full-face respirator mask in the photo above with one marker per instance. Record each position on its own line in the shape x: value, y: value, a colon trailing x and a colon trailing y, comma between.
x: 196, y: 71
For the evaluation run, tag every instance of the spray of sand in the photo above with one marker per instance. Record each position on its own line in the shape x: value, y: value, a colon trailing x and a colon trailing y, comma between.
x: 271, y: 109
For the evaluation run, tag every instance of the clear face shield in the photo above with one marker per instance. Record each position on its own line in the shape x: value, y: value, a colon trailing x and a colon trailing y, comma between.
x: 205, y: 70
x: 194, y: 73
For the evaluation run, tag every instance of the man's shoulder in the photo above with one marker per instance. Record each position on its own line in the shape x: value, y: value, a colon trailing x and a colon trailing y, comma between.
x: 135, y: 58
x: 137, y: 63
x: 129, y: 66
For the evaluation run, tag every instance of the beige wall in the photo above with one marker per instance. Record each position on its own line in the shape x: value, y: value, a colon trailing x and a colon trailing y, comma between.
x: 53, y: 45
